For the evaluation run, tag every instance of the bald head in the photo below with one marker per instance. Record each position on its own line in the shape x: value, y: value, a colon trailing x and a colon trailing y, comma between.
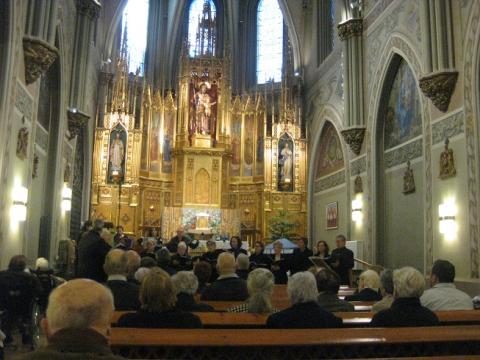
x: 116, y: 262
x: 133, y: 262
x: 226, y: 264
x: 80, y: 304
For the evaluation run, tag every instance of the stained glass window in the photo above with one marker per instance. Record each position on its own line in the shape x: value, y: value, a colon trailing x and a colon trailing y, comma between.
x: 202, y: 28
x: 134, y: 33
x: 269, y: 41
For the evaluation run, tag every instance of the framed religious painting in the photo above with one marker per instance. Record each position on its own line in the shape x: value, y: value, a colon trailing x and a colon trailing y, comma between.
x: 332, y: 215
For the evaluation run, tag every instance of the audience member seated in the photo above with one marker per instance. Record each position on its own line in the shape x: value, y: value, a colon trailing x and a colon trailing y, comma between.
x: 125, y: 293
x: 443, y: 295
x: 259, y: 259
x: 368, y: 287
x: 77, y: 325
x: 386, y: 288
x: 177, y: 239
x: 158, y: 298
x: 328, y: 284
x: 91, y: 254
x: 18, y: 291
x: 279, y: 263
x: 133, y: 264
x: 243, y: 264
x: 203, y: 272
x: 138, y: 247
x: 121, y: 241
x: 228, y: 286
x: 300, y: 259
x: 147, y: 262
x: 186, y: 285
x: 406, y: 309
x: 305, y: 313
x: 260, y: 289
x: 236, y: 246
x: 141, y: 273
x: 181, y: 261
x: 47, y: 280
x: 149, y: 249
x: 211, y: 257
x: 322, y: 250
x: 164, y: 261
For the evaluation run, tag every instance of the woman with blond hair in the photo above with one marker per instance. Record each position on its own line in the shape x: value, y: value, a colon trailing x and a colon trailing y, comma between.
x: 158, y: 297
x: 368, y: 287
x: 260, y: 289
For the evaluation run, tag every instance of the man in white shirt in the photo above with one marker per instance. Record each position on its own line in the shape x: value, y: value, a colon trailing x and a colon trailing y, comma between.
x: 443, y: 295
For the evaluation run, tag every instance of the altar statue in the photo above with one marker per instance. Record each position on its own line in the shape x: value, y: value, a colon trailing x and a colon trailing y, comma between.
x: 287, y: 164
x: 117, y: 152
x: 447, y: 162
x: 203, y: 110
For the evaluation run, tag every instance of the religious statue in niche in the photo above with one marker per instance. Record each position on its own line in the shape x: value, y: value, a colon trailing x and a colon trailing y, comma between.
x: 167, y: 142
x: 236, y: 144
x: 22, y: 143
x: 447, y: 162
x: 154, y: 142
x: 67, y: 173
x: 203, y: 114
x: 285, y: 163
x: 36, y: 161
x: 408, y: 180
x: 358, y: 185
x: 116, y: 152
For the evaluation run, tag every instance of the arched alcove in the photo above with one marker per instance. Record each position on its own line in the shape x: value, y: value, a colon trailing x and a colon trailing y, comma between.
x: 202, y: 187
x: 399, y: 186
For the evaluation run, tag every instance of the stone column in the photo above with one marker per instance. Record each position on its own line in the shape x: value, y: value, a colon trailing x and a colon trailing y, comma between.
x: 350, y: 32
x: 439, y: 82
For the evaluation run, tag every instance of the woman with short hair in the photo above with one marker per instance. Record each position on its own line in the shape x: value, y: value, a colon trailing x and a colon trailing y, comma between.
x: 280, y: 264
x: 158, y: 297
x: 368, y: 287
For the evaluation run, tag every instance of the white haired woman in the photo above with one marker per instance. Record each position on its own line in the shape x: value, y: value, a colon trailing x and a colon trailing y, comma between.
x: 305, y: 313
x: 186, y: 284
x: 260, y: 284
x: 406, y: 309
x: 280, y: 264
x: 368, y: 287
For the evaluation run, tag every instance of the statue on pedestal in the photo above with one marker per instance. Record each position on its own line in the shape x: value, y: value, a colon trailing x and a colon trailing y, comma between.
x: 447, y: 162
x: 408, y: 180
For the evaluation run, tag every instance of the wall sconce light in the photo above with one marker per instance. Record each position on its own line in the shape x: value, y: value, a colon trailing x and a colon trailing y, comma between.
x: 446, y: 217
x: 19, y: 208
x: 357, y: 208
x: 66, y: 198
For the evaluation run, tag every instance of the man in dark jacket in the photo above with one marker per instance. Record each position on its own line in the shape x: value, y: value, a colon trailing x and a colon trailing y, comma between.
x: 125, y: 293
x: 91, y: 254
x: 228, y: 286
x: 304, y: 313
x: 342, y: 260
x: 406, y: 310
x: 300, y: 258
x: 328, y: 284
x: 181, y: 236
x: 77, y: 323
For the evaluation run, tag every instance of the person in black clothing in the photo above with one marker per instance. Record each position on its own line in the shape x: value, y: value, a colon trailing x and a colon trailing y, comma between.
x: 322, y: 250
x: 203, y: 272
x: 186, y: 284
x: 236, y: 246
x: 181, y: 261
x: 158, y: 299
x: 368, y: 287
x: 228, y: 286
x: 300, y: 258
x: 243, y: 265
x: 279, y: 263
x: 164, y: 261
x: 125, y: 293
x: 149, y: 251
x: 48, y: 281
x: 258, y: 259
x: 133, y: 264
x: 181, y: 236
x: 406, y: 309
x: 91, y: 254
x: 304, y: 313
x: 342, y: 260
x: 211, y: 257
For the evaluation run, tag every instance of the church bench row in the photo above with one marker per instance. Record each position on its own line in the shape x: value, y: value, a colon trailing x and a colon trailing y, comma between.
x: 281, y: 304
x: 350, y: 319
x: 298, y: 344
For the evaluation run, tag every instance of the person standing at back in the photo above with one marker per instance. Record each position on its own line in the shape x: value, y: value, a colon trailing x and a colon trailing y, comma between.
x: 300, y: 258
x: 342, y: 261
x: 92, y: 251
x: 443, y: 295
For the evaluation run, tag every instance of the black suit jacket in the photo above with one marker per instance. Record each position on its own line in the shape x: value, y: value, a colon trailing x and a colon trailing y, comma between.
x: 91, y: 257
x: 307, y: 315
x: 346, y: 262
x: 186, y: 302
x: 125, y: 295
x: 172, y: 245
x: 405, y: 312
x: 227, y: 289
x: 169, y: 319
x: 366, y: 294
x: 301, y: 261
x: 283, y: 266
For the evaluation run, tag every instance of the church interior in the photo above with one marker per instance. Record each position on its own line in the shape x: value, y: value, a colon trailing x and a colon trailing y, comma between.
x: 283, y: 125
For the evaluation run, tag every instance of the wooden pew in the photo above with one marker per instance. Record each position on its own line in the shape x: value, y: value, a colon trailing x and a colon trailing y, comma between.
x: 301, y: 343
x: 281, y: 304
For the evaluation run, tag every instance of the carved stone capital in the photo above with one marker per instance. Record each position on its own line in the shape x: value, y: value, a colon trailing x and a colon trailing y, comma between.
x: 439, y: 87
x: 90, y: 8
x: 76, y: 120
x: 354, y: 138
x: 39, y: 56
x: 350, y: 28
